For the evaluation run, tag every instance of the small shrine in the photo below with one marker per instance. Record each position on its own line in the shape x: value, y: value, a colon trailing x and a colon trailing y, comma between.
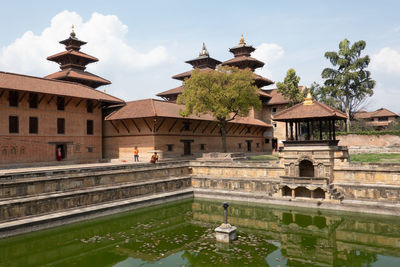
x: 73, y: 64
x: 310, y: 150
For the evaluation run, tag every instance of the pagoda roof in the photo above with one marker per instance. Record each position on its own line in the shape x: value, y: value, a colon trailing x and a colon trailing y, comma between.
x: 309, y: 111
x: 174, y: 91
x: 77, y: 76
x: 245, y: 61
x: 146, y: 108
x: 72, y: 52
x: 261, y: 81
x: 186, y: 74
x: 33, y: 84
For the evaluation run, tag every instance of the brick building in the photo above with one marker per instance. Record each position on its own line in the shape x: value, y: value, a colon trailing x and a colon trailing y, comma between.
x: 40, y: 115
x: 379, y: 119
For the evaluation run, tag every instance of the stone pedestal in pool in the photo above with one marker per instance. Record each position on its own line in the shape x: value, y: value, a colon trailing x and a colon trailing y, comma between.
x: 225, y: 233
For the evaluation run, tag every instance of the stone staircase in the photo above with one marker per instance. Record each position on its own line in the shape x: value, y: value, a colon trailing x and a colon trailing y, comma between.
x: 335, y: 194
x: 29, y: 195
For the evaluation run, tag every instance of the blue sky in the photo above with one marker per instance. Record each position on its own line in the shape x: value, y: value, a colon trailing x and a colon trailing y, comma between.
x: 141, y: 44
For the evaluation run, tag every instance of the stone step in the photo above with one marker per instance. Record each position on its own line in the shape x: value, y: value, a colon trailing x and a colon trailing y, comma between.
x: 44, y: 221
x: 75, y: 181
x: 18, y: 207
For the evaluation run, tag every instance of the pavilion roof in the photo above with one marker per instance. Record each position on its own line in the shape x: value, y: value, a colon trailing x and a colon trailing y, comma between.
x: 146, y: 108
x: 33, y: 84
x: 78, y: 75
x: 72, y: 52
x: 307, y: 111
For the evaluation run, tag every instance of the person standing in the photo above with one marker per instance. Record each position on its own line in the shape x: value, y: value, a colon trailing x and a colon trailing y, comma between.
x: 136, y: 154
x: 58, y: 154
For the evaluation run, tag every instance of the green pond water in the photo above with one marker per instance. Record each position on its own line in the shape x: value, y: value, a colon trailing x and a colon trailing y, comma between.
x: 182, y: 234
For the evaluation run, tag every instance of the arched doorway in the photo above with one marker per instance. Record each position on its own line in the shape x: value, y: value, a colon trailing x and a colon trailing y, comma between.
x: 306, y: 168
x: 301, y: 191
x: 286, y: 191
x: 319, y: 193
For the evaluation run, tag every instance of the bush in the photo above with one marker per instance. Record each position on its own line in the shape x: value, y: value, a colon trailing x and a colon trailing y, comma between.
x: 383, y: 132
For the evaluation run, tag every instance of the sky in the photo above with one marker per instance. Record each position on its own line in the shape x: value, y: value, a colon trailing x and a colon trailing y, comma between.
x: 141, y: 44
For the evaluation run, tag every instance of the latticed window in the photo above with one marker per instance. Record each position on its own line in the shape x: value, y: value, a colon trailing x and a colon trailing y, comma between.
x: 13, y: 98
x: 13, y: 124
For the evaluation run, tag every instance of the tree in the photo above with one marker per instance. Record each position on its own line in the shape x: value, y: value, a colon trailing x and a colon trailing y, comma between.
x: 289, y: 88
x: 225, y: 93
x: 349, y: 83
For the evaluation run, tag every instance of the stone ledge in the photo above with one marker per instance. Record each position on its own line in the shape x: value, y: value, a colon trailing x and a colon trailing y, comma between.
x: 41, y: 222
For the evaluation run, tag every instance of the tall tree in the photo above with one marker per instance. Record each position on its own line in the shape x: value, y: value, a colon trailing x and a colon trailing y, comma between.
x: 349, y: 83
x: 289, y: 88
x: 225, y: 93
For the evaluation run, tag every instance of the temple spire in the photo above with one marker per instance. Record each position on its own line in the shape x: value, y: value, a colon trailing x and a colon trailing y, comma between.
x: 204, y: 51
x: 72, y: 32
x: 308, y: 100
x: 241, y: 42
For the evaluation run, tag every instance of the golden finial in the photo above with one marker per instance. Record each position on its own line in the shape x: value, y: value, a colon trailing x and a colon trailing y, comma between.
x: 308, y: 101
x: 204, y: 51
x: 72, y: 32
x: 242, y: 43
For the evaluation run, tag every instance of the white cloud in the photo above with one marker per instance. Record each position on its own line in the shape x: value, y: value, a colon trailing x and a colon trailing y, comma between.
x: 386, y: 60
x: 269, y: 53
x: 105, y: 37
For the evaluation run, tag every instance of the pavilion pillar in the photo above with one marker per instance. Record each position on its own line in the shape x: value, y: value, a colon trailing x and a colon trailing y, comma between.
x: 291, y: 130
x: 308, y: 130
x: 287, y: 136
x: 330, y: 130
x: 334, y: 131
x: 296, y: 131
x: 320, y: 129
x: 312, y: 130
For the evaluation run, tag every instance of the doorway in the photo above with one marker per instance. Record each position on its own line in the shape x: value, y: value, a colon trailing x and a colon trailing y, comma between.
x: 63, y: 149
x: 187, y: 147
x: 249, y: 145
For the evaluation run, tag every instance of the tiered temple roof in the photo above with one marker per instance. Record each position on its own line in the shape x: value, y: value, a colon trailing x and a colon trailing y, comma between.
x: 204, y: 62
x: 73, y: 64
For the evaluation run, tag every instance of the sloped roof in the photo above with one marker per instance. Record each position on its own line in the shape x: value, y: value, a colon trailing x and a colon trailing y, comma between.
x: 276, y: 98
x: 157, y: 108
x: 313, y: 111
x: 382, y: 112
x: 78, y: 75
x: 54, y: 87
x: 186, y: 74
x: 174, y: 91
x: 241, y: 59
x: 74, y: 53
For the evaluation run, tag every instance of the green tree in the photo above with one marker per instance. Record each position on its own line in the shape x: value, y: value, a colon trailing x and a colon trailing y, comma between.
x: 348, y: 84
x: 289, y: 88
x: 225, y: 93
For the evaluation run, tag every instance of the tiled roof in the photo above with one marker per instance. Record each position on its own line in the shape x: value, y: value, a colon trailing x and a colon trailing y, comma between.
x: 262, y: 81
x: 54, y: 87
x: 316, y: 110
x: 241, y: 59
x: 174, y: 91
x: 78, y: 75
x: 382, y: 112
x: 186, y: 74
x: 276, y: 98
x: 156, y: 108
x: 74, y: 53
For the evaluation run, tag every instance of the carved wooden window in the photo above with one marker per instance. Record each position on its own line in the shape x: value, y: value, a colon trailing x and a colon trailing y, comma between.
x: 13, y: 98
x: 89, y: 127
x: 89, y: 106
x: 33, y: 125
x: 33, y: 100
x: 61, y: 126
x: 13, y: 124
x: 60, y: 103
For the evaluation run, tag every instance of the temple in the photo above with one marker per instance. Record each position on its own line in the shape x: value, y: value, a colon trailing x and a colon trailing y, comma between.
x: 73, y: 64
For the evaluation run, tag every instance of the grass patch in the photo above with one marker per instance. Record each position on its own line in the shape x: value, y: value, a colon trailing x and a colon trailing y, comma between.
x: 264, y: 157
x: 374, y: 157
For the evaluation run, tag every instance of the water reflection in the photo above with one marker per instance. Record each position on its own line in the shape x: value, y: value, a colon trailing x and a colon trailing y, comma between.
x: 181, y: 234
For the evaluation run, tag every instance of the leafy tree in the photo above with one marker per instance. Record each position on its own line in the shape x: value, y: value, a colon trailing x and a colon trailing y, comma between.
x: 289, y: 88
x: 225, y: 93
x: 349, y: 84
